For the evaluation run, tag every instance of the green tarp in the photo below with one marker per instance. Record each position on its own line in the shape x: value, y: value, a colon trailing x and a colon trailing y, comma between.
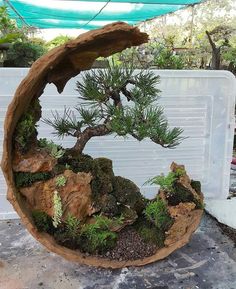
x: 89, y: 14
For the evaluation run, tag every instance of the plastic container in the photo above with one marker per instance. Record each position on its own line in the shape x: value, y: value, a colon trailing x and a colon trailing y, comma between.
x: 200, y: 102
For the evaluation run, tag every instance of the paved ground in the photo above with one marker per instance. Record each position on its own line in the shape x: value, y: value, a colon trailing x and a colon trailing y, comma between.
x: 208, y: 261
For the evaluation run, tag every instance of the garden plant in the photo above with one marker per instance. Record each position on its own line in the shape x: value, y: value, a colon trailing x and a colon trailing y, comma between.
x: 78, y: 206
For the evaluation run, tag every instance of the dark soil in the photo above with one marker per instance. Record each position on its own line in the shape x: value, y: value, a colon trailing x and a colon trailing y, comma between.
x: 130, y: 246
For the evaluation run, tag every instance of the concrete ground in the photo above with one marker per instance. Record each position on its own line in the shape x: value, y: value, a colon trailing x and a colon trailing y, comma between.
x: 208, y: 261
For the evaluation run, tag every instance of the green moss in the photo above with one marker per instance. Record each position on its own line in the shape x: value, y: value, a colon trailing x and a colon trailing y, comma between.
x: 150, y: 234
x: 157, y: 213
x: 42, y: 221
x: 26, y: 132
x: 196, y: 185
x: 179, y: 194
x: 27, y: 179
x: 127, y: 193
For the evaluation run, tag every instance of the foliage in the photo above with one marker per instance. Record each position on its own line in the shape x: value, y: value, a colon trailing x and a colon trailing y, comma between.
x: 165, y: 182
x: 72, y: 226
x: 57, y: 208
x: 59, y: 40
x: 157, y: 213
x: 23, y: 54
x: 167, y: 59
x: 26, y: 128
x: 97, y: 237
x: 42, y: 221
x: 105, y: 94
x: 61, y: 181
x: 55, y: 150
x: 27, y: 179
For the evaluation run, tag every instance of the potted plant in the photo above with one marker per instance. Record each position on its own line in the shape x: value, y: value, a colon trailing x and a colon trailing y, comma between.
x: 74, y: 204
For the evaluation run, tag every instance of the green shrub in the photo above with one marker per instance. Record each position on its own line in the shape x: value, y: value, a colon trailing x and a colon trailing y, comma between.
x: 42, y: 221
x: 23, y: 54
x: 27, y: 179
x: 157, y: 213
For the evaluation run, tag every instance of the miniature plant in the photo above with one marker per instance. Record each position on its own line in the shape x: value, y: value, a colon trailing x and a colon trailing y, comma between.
x: 57, y: 206
x: 157, y: 213
x: 72, y: 226
x: 26, y: 128
x: 97, y: 237
x: 61, y: 181
x: 103, y: 111
x: 55, y: 150
x: 42, y: 221
x: 165, y: 182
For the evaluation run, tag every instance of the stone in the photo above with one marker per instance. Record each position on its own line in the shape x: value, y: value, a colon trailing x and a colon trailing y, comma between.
x: 75, y: 195
x: 35, y: 160
x: 181, y: 209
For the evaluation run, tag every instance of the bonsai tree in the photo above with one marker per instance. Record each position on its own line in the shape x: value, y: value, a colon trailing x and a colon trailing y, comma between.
x: 104, y: 109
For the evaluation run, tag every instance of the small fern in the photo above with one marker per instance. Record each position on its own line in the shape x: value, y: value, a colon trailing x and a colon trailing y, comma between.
x: 165, y: 182
x: 72, y: 226
x: 57, y: 206
x: 157, y: 213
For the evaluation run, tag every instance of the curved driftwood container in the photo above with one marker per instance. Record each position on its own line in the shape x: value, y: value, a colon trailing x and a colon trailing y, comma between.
x: 57, y: 67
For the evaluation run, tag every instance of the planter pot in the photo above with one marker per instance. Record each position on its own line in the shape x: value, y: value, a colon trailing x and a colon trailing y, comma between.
x: 57, y: 67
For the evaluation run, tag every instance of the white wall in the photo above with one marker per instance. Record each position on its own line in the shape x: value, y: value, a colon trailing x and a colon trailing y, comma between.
x: 201, y: 102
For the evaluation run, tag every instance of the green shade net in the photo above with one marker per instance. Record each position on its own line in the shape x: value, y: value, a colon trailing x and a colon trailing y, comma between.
x: 89, y: 14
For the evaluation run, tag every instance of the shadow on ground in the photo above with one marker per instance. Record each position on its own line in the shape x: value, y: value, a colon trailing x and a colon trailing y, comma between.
x: 208, y: 261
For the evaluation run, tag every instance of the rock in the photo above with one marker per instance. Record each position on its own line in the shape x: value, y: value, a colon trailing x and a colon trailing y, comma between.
x: 181, y: 209
x: 35, y: 160
x: 75, y: 195
x: 128, y: 194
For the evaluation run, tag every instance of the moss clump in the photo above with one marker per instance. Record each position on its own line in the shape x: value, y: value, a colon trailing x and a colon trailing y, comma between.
x: 157, y: 213
x: 179, y: 194
x: 150, y: 233
x: 26, y: 133
x: 127, y: 193
x: 196, y: 185
x: 42, y: 221
x: 97, y: 237
x: 27, y: 179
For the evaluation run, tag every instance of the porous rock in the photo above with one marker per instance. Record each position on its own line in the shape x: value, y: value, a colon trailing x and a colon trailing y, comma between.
x: 75, y: 195
x: 35, y: 160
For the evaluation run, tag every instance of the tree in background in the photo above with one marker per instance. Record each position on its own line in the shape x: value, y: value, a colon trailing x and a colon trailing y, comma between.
x: 104, y: 111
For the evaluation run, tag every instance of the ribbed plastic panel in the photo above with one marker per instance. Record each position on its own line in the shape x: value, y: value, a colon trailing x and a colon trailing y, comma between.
x: 200, y: 102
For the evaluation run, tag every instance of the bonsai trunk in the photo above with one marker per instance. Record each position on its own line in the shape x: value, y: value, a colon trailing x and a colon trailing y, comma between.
x: 87, y: 134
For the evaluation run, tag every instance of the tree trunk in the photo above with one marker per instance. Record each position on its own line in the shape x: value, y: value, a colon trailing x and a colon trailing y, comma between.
x: 87, y: 134
x: 215, y: 62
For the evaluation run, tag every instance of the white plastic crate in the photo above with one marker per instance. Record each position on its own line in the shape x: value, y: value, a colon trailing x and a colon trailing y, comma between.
x: 200, y: 102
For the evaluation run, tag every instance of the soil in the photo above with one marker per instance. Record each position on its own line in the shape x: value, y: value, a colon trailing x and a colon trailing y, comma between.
x: 130, y: 246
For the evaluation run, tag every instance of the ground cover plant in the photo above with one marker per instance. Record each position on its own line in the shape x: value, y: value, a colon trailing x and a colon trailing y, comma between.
x: 78, y: 199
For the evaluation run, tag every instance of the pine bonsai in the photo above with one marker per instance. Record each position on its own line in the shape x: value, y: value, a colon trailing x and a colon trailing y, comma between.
x: 105, y: 110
